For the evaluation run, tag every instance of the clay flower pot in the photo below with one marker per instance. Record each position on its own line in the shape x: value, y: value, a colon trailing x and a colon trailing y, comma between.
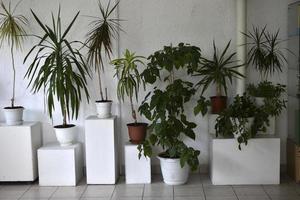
x: 218, y: 104
x: 137, y: 132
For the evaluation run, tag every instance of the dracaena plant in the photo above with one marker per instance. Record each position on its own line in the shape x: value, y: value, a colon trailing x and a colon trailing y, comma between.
x: 100, y: 39
x: 12, y: 31
x: 58, y: 68
x: 265, y: 53
x: 165, y: 107
x: 129, y: 77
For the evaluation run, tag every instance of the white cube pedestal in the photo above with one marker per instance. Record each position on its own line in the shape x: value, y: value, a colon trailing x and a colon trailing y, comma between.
x: 101, y: 150
x: 60, y: 166
x: 18, y: 151
x: 256, y: 163
x: 137, y: 171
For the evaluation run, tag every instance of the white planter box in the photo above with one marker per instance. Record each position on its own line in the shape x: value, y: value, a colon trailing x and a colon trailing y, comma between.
x: 256, y: 163
x: 101, y: 150
x: 18, y: 151
x: 60, y: 166
x: 212, y: 123
x: 137, y: 171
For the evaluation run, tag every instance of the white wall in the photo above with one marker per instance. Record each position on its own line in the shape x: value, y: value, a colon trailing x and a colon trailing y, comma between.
x: 148, y: 25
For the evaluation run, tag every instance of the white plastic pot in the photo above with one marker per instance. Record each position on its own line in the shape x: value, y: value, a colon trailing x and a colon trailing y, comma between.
x: 103, y: 109
x: 65, y: 135
x: 13, y: 115
x: 172, y: 172
x: 247, y: 125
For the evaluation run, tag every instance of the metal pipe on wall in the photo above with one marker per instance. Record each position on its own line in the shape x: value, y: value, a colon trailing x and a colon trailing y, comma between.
x: 241, y: 27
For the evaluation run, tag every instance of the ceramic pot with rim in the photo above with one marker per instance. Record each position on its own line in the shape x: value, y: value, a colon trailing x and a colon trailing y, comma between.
x: 13, y: 115
x: 218, y: 104
x: 103, y: 109
x: 137, y: 132
x: 65, y: 135
x: 172, y: 172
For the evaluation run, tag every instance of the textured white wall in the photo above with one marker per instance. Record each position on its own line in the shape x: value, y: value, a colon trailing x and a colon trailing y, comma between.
x: 148, y: 26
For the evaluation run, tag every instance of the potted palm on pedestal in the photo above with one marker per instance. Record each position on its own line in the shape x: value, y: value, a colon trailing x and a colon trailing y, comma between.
x: 12, y: 31
x: 100, y: 41
x: 59, y: 69
x: 129, y: 83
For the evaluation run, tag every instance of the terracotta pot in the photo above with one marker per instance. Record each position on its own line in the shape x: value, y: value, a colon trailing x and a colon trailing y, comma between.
x: 137, y: 132
x: 218, y: 104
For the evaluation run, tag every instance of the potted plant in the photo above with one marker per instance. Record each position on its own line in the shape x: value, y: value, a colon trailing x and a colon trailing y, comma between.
x: 99, y: 40
x: 59, y: 69
x: 165, y: 110
x: 218, y: 70
x: 129, y: 83
x: 12, y: 31
x: 239, y: 119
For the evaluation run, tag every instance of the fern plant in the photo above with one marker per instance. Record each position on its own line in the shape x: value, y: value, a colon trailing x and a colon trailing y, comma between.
x: 59, y: 68
x: 12, y: 31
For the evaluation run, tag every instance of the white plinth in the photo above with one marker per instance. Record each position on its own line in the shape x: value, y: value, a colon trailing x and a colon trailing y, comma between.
x: 60, y: 166
x: 18, y: 151
x: 212, y: 123
x: 256, y: 163
x: 137, y: 170
x: 101, y: 150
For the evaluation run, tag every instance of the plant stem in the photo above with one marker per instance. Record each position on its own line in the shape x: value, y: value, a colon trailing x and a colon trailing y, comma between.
x: 14, y: 73
x: 219, y: 90
x: 100, y: 83
x: 133, y: 113
x: 64, y: 112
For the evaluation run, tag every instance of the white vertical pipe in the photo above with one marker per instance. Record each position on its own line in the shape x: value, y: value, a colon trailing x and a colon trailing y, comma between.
x: 241, y: 26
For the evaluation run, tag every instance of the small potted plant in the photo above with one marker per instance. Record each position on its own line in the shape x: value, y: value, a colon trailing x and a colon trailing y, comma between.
x: 238, y: 120
x: 12, y: 31
x: 165, y: 110
x: 99, y: 41
x: 59, y: 69
x: 129, y: 83
x: 218, y: 70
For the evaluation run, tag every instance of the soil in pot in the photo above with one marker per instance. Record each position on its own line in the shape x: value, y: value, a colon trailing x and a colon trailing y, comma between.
x: 15, y: 107
x: 104, y: 101
x: 218, y: 104
x: 137, y: 132
x: 65, y: 126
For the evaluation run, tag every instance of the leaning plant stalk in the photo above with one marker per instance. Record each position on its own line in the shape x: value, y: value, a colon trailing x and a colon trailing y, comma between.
x: 100, y: 83
x: 219, y: 90
x: 14, y: 74
x: 133, y: 113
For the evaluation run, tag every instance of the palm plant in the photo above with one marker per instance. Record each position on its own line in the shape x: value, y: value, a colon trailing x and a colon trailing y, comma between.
x: 99, y: 39
x: 58, y: 68
x: 12, y: 31
x: 218, y: 70
x: 129, y: 78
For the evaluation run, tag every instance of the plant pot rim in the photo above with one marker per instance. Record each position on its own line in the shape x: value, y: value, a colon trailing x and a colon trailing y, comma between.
x: 13, y: 108
x: 168, y: 159
x: 137, y: 124
x: 221, y: 97
x: 64, y: 126
x: 103, y: 101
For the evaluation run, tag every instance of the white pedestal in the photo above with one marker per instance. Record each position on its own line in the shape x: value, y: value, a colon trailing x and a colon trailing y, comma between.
x: 256, y: 163
x: 18, y: 146
x: 60, y: 166
x: 101, y: 150
x: 212, y: 123
x: 137, y: 170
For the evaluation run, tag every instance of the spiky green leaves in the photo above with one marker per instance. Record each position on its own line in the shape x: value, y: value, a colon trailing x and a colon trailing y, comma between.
x: 59, y: 68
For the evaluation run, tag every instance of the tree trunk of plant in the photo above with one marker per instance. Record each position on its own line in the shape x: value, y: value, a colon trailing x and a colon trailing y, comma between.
x: 219, y: 90
x: 133, y: 113
x: 64, y: 113
x: 100, y: 83
x: 14, y: 74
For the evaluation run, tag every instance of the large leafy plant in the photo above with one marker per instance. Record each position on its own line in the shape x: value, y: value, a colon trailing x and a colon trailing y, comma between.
x: 165, y: 108
x: 218, y: 70
x: 99, y: 40
x: 129, y: 77
x: 12, y: 31
x: 58, y: 68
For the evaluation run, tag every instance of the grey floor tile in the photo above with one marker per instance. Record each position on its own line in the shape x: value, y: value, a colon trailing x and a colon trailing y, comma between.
x: 39, y: 192
x: 250, y: 190
x: 224, y: 191
x: 221, y: 198
x: 157, y: 198
x: 158, y: 190
x: 188, y: 190
x: 285, y: 197
x: 190, y: 198
x: 126, y: 198
x: 128, y: 191
x: 98, y: 191
x: 255, y: 197
x: 281, y: 190
x: 70, y: 192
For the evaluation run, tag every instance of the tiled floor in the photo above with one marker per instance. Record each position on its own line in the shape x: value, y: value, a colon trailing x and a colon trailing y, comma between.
x: 198, y: 188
